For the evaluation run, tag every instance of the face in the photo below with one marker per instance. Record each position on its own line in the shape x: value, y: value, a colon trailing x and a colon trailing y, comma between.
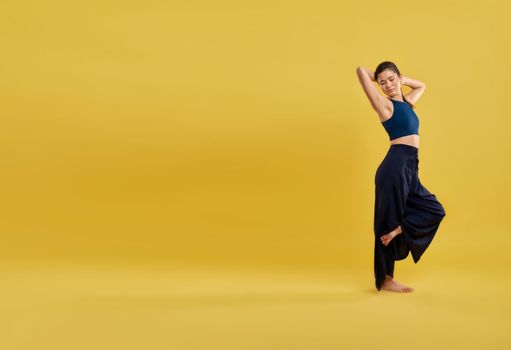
x: 389, y: 82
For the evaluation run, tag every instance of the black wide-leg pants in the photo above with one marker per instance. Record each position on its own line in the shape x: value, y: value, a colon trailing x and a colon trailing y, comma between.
x: 401, y: 199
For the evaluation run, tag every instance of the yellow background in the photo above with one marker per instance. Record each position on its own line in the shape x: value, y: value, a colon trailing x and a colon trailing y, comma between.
x: 200, y: 174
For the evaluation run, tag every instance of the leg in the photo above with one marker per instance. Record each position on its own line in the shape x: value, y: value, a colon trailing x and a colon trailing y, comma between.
x: 383, y: 263
x: 390, y: 263
x: 390, y: 198
x: 423, y: 215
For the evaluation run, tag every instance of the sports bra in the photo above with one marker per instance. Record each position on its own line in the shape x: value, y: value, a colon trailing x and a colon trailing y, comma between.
x: 403, y: 121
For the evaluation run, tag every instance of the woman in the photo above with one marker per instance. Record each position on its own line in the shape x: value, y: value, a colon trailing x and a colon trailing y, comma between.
x: 406, y: 214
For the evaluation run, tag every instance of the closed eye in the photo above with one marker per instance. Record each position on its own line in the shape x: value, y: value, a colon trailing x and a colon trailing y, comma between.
x: 383, y: 81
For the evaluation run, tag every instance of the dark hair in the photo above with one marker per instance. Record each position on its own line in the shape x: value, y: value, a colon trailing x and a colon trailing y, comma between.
x: 390, y: 66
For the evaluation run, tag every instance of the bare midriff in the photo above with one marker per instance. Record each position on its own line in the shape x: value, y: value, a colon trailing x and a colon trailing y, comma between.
x: 411, y: 140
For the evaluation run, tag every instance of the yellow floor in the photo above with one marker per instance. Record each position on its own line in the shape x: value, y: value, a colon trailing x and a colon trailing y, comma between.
x: 142, y: 306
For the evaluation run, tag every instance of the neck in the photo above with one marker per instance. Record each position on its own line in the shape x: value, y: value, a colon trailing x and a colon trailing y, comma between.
x: 397, y: 98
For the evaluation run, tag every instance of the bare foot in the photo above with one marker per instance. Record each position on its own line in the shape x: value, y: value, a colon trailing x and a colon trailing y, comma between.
x: 385, y: 239
x: 392, y: 285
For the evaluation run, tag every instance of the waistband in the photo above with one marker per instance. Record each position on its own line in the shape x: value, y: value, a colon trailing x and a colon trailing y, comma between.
x: 406, y: 148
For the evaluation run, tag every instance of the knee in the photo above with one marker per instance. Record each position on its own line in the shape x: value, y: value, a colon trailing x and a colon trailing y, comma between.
x: 441, y: 212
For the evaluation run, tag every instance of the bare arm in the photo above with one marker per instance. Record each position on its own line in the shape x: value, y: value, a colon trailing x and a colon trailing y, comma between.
x: 417, y: 86
x: 366, y: 79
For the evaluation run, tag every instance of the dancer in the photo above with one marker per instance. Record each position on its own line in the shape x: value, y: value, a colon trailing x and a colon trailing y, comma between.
x: 406, y: 214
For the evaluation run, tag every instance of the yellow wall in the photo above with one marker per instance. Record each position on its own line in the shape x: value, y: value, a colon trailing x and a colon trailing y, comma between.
x: 237, y: 132
x: 199, y: 174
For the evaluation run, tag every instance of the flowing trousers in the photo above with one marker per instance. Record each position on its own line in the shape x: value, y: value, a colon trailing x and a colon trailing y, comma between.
x: 401, y: 199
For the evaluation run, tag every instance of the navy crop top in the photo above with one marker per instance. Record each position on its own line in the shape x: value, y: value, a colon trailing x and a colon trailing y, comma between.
x: 403, y: 121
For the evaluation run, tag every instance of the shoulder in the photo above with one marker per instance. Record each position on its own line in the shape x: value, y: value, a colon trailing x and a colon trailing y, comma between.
x: 409, y: 100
